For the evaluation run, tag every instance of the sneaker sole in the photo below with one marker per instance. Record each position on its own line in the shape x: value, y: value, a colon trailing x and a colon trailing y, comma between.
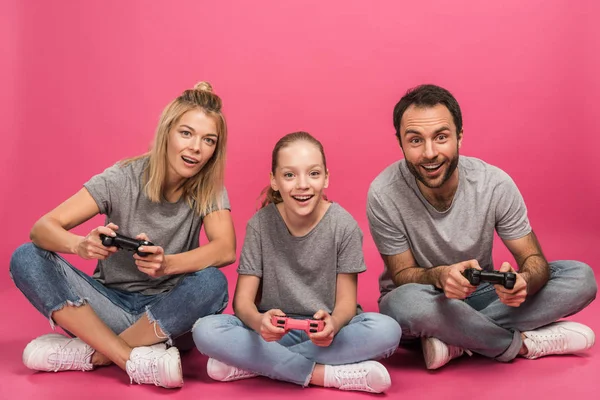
x: 431, y: 347
x: 174, y: 372
x: 213, y: 376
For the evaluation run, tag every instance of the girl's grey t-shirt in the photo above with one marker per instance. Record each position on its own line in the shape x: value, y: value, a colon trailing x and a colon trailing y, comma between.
x: 299, y: 274
x: 400, y: 218
x: 175, y: 227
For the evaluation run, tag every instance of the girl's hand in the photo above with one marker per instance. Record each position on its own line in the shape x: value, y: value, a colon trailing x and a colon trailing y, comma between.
x: 325, y: 337
x: 268, y: 331
x: 153, y: 264
x: 91, y: 248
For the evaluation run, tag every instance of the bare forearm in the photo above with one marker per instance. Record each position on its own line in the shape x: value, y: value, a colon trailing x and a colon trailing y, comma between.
x: 425, y: 276
x: 49, y: 235
x: 248, y: 314
x: 213, y: 254
x: 342, y: 314
x: 535, y: 271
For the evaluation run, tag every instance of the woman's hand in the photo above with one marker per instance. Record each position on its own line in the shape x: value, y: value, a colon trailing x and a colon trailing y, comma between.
x: 153, y: 264
x: 91, y: 247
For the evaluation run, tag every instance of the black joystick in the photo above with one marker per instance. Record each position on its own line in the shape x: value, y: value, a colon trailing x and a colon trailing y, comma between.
x: 126, y: 243
x: 476, y: 276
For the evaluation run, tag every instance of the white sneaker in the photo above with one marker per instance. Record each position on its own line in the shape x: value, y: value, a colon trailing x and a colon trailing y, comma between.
x: 220, y: 371
x: 366, y: 376
x: 155, y: 364
x: 437, y: 353
x: 563, y: 337
x: 55, y: 352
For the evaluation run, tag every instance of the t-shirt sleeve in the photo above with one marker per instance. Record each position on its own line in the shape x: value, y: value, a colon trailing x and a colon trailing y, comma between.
x: 511, y: 212
x: 389, y: 238
x: 223, y: 204
x: 105, y: 188
x: 350, y: 257
x: 251, y: 256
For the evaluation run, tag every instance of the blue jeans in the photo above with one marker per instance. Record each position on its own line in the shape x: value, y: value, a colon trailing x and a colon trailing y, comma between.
x: 49, y: 282
x: 293, y: 358
x: 482, y: 323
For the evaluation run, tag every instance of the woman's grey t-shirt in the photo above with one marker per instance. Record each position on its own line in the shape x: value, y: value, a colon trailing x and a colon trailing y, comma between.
x: 400, y: 218
x: 299, y: 274
x: 175, y: 227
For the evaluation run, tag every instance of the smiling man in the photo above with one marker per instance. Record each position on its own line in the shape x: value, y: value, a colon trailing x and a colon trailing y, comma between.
x: 433, y: 215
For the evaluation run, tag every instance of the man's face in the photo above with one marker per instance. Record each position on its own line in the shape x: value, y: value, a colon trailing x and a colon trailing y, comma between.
x: 430, y: 144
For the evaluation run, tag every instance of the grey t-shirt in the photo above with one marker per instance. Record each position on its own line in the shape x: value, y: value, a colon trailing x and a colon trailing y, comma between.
x: 173, y: 226
x: 400, y: 218
x: 299, y: 274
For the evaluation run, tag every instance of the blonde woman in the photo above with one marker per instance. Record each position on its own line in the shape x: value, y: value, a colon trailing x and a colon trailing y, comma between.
x: 137, y: 301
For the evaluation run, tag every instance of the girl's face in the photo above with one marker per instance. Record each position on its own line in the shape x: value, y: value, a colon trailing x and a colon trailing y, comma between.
x: 192, y: 142
x: 300, y: 178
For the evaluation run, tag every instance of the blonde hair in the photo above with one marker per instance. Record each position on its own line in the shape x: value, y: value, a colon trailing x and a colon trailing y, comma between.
x: 270, y: 195
x: 204, y: 190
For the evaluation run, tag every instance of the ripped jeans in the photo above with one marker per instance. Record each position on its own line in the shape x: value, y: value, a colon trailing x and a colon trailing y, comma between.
x: 49, y: 282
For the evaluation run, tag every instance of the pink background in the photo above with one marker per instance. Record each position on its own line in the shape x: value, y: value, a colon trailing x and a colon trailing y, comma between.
x: 83, y: 84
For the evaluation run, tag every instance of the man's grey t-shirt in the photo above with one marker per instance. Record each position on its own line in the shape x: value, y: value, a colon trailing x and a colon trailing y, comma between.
x: 400, y: 218
x: 175, y: 227
x: 299, y: 274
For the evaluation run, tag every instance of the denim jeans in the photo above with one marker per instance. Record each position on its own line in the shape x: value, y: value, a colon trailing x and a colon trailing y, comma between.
x: 292, y: 359
x: 482, y: 323
x: 49, y: 282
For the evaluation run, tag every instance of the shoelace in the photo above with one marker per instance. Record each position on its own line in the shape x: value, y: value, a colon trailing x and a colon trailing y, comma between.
x: 547, y: 344
x: 239, y: 373
x: 145, y: 371
x: 69, y: 358
x: 352, y: 378
x: 454, y: 351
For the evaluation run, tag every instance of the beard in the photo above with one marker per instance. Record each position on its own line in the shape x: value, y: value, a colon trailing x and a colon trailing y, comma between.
x: 433, y: 183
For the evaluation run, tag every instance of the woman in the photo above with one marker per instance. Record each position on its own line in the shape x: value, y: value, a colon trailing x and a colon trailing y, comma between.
x: 135, y: 300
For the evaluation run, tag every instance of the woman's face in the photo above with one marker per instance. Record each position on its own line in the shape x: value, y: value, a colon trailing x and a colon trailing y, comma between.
x: 192, y: 142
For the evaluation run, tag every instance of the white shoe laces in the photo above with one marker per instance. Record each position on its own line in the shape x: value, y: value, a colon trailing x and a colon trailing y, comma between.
x: 70, y: 358
x: 352, y: 378
x: 455, y: 351
x: 550, y: 343
x: 144, y: 371
x: 238, y: 373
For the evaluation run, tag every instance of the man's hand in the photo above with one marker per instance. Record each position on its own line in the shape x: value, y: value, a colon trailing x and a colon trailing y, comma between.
x: 515, y: 296
x: 452, y: 281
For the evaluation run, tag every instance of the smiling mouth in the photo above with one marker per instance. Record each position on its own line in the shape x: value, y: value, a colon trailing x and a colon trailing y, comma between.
x: 189, y: 160
x: 432, y: 167
x: 303, y: 198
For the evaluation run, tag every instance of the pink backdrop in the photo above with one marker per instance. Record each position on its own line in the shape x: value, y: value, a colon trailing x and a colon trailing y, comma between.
x: 83, y: 84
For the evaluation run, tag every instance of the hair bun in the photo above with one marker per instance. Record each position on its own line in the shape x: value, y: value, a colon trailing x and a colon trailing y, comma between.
x: 203, y: 86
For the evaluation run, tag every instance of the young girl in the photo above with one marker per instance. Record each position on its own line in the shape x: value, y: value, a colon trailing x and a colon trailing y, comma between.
x: 301, y: 257
x: 134, y: 303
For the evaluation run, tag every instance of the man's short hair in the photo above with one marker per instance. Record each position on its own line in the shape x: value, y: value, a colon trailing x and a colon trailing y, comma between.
x: 427, y: 96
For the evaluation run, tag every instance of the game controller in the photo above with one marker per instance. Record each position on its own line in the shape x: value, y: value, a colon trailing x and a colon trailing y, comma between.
x: 126, y: 243
x: 307, y: 325
x: 475, y: 277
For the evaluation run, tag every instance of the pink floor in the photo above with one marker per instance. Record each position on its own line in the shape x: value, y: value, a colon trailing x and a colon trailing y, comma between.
x: 557, y: 377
